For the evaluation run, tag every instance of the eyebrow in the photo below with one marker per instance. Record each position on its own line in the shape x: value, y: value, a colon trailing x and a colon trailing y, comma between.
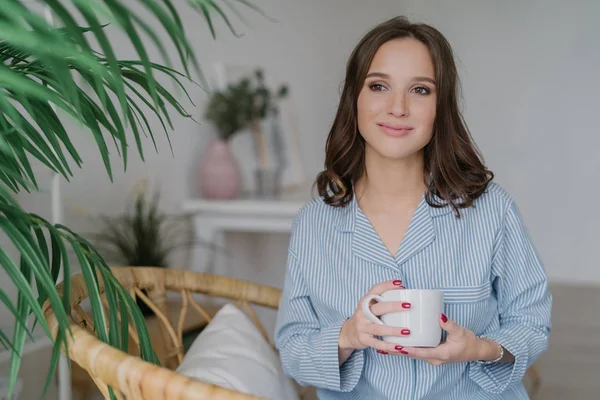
x: 386, y: 76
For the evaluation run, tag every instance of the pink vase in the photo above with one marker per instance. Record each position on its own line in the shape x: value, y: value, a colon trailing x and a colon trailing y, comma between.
x: 219, y: 173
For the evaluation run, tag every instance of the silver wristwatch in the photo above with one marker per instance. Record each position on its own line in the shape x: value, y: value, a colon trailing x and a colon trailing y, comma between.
x: 500, y: 357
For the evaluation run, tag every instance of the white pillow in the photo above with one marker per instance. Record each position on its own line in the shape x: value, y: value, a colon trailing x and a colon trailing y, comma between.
x: 232, y: 353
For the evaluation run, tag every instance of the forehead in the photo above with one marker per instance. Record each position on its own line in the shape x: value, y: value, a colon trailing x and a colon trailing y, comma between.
x: 405, y: 57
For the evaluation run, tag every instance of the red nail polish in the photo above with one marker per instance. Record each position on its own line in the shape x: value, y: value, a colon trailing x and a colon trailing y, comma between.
x: 405, y: 331
x: 405, y: 305
x: 444, y: 318
x: 397, y: 282
x: 403, y: 352
x: 399, y: 348
x: 382, y: 352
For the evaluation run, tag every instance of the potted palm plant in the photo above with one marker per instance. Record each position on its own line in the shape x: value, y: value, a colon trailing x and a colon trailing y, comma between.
x: 50, y: 72
x: 141, y: 236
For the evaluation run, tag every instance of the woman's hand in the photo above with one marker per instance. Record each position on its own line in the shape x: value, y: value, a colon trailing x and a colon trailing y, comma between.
x: 358, y: 332
x: 461, y: 345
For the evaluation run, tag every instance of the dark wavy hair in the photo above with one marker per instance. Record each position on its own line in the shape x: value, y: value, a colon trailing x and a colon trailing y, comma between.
x: 458, y: 175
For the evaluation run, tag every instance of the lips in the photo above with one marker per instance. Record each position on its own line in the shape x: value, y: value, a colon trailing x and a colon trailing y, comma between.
x: 395, y: 129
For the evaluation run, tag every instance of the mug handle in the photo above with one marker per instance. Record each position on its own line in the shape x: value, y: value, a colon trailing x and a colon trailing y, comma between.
x: 366, y: 308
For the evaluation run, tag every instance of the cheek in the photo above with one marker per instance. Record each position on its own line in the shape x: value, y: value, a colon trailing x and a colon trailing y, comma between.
x: 368, y: 105
x: 362, y: 106
x: 426, y: 113
x: 362, y: 112
x: 431, y: 114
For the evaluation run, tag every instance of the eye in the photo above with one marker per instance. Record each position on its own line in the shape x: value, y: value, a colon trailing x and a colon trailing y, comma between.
x: 422, y: 90
x: 377, y: 87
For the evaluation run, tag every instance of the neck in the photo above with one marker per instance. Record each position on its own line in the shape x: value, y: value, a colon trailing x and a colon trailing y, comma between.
x: 391, y: 183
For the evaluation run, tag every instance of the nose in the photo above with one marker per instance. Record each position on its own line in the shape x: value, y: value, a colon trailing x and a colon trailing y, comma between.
x: 398, y: 104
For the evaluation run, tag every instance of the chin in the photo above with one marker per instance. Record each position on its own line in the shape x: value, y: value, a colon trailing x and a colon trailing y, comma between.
x: 401, y: 156
x: 391, y: 152
x: 396, y: 149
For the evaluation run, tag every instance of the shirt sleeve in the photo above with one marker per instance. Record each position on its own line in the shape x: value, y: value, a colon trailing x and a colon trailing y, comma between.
x: 309, y: 351
x: 524, y: 306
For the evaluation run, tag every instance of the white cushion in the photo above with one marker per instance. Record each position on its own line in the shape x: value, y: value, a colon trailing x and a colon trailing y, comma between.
x: 232, y: 353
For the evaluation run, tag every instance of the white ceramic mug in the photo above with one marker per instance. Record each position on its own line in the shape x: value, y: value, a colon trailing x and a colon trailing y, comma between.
x: 423, y: 317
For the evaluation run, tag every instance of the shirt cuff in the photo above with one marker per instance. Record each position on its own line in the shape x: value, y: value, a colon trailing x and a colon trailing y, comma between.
x: 344, y: 378
x: 497, y: 377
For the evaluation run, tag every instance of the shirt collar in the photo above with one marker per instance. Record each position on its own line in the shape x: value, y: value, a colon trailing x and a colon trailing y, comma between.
x: 346, y: 216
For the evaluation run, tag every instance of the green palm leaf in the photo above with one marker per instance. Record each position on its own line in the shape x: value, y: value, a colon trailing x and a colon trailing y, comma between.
x: 50, y: 73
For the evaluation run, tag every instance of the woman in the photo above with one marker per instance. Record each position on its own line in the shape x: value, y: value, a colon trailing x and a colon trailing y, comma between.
x: 406, y: 202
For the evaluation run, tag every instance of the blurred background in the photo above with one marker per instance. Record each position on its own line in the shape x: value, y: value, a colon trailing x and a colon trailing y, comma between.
x: 529, y: 72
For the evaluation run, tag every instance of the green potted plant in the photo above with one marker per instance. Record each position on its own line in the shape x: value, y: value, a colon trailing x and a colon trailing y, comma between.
x: 58, y: 63
x: 219, y: 173
x: 141, y: 236
x: 247, y: 104
x: 243, y: 103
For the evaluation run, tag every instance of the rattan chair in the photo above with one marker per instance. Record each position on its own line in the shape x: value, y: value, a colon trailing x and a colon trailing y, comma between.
x: 130, y: 376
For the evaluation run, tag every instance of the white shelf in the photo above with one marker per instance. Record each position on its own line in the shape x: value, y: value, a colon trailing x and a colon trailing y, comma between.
x: 285, y: 206
x: 213, y: 218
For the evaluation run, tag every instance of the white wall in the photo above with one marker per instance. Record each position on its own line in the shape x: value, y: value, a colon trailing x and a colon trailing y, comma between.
x: 530, y: 95
x: 530, y: 78
x: 529, y: 72
x: 307, y: 48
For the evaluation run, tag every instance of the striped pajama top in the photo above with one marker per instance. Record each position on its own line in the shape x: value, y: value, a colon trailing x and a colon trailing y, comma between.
x: 494, y: 284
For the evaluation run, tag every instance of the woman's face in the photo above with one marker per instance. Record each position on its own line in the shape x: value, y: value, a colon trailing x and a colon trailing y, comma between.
x: 397, y: 103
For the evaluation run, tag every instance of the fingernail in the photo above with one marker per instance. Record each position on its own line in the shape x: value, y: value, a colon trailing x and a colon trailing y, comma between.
x: 399, y: 348
x: 444, y: 318
x: 397, y: 282
x: 382, y: 352
x: 405, y: 331
x: 403, y: 352
x: 405, y: 305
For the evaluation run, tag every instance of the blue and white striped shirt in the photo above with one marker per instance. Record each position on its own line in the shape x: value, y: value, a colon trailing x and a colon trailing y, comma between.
x: 494, y: 283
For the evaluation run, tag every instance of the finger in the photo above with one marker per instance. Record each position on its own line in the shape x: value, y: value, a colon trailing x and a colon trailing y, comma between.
x: 450, y: 326
x: 385, y: 286
x: 381, y: 346
x: 429, y: 354
x: 384, y: 307
x: 384, y: 330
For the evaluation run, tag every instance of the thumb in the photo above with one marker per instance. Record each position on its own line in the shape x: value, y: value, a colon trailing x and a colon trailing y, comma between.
x: 448, y: 325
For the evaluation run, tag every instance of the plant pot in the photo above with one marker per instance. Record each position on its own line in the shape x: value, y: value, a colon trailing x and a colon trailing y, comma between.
x: 219, y: 174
